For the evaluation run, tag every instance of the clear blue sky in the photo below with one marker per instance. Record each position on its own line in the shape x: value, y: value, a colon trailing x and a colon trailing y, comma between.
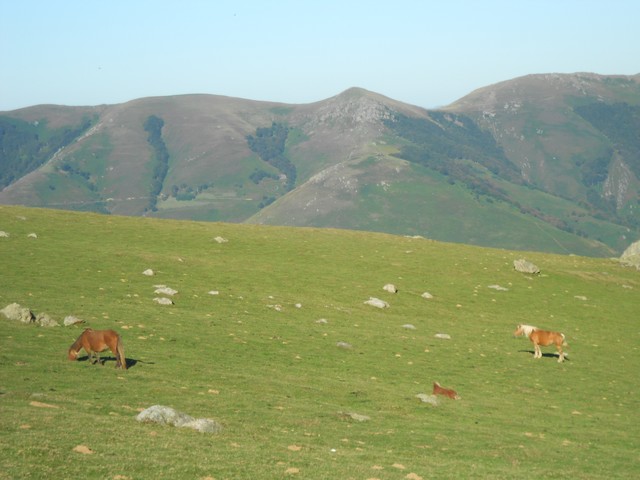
x: 427, y: 53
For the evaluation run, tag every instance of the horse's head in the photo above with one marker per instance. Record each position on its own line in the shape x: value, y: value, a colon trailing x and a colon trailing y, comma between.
x: 72, y: 354
x: 524, y: 330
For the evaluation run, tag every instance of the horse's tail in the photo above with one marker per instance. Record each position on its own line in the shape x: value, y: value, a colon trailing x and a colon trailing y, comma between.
x: 120, y: 353
x: 564, y: 342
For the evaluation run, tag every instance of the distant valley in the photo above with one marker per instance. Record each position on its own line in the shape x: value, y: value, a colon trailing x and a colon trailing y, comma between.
x: 542, y: 162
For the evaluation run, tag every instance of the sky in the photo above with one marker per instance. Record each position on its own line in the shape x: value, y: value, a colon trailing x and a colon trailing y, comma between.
x: 424, y: 52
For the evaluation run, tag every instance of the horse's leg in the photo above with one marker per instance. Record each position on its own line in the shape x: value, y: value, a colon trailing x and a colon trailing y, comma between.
x: 92, y: 356
x: 560, y: 354
x: 538, y: 351
x: 115, y: 354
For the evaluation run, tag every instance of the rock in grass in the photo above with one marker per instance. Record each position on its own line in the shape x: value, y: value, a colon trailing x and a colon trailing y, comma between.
x: 631, y: 256
x: 45, y: 320
x: 71, y: 320
x: 169, y: 416
x: 356, y: 416
x: 376, y: 302
x: 15, y: 311
x: 430, y: 399
x: 524, y: 266
x: 390, y: 287
x: 163, y: 301
x: 165, y: 291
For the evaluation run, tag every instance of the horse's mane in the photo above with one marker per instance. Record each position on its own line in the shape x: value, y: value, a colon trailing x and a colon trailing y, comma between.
x: 528, y: 329
x: 77, y: 345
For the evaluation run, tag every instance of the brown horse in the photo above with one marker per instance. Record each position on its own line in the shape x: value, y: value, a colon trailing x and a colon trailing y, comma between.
x: 542, y: 338
x: 447, y: 392
x: 96, y: 341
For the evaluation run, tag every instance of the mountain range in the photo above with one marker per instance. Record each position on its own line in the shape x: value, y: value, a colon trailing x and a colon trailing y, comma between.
x: 547, y: 162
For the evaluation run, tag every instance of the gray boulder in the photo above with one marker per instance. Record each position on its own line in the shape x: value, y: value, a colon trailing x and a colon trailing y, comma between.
x: 631, y: 256
x: 168, y: 416
x: 15, y: 311
x: 524, y: 266
x: 45, y: 320
x: 72, y: 320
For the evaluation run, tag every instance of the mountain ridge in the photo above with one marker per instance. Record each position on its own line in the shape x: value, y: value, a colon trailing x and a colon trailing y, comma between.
x: 521, y: 164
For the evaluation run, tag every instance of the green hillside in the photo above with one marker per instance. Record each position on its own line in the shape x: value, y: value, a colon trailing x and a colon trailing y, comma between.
x: 541, y: 162
x: 263, y: 356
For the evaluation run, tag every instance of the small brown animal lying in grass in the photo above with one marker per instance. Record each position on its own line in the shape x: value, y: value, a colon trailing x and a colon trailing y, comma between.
x: 438, y: 390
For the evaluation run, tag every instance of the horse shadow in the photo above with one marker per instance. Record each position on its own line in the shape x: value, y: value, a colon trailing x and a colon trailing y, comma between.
x: 547, y: 354
x: 131, y: 362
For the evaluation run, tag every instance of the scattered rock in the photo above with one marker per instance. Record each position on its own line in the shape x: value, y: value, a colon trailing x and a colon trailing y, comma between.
x: 168, y: 416
x: 83, y: 449
x: 37, y: 404
x: 163, y: 301
x: 165, y: 291
x: 390, y: 287
x: 148, y: 272
x: 220, y: 240
x: 499, y: 288
x: 32, y: 235
x: 581, y: 297
x: 631, y: 256
x: 45, y: 320
x: 356, y: 416
x: 16, y: 312
x: 71, y: 320
x: 322, y: 321
x: 427, y: 295
x: 409, y: 326
x: 213, y: 292
x: 444, y: 336
x: 524, y: 266
x: 344, y: 345
x: 376, y: 302
x: 4, y: 234
x: 430, y: 399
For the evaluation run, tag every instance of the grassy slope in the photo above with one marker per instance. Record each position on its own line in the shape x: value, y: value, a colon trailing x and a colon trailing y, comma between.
x: 277, y: 381
x: 205, y: 136
x: 386, y: 199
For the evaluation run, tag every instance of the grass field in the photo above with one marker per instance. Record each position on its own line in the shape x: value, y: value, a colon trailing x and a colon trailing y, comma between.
x: 255, y: 358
